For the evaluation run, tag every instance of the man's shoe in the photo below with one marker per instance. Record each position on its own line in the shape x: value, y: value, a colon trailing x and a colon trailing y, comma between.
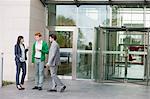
x: 52, y: 90
x: 40, y: 88
x: 63, y: 88
x: 35, y: 87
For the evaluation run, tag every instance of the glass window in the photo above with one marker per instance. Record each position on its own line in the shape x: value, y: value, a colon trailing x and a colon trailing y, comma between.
x: 85, y: 36
x: 137, y: 17
x: 90, y: 15
x: 84, y: 52
x: 94, y: 15
x: 147, y: 16
x: 66, y: 15
x: 125, y: 16
x: 132, y: 17
x: 147, y: 23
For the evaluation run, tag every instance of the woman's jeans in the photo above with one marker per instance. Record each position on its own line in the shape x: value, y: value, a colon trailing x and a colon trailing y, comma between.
x: 19, y: 66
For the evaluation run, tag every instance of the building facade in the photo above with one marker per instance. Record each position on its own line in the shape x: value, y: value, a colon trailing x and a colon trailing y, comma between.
x: 76, y: 27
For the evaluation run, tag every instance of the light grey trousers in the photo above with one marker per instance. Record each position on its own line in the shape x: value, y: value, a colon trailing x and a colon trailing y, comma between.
x: 39, y: 72
x: 54, y: 78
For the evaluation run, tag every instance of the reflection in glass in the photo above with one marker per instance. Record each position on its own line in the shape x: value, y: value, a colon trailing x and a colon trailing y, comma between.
x: 93, y: 15
x: 116, y: 43
x: 131, y: 17
x: 66, y: 15
x: 64, y: 39
x: 123, y: 52
x: 84, y: 53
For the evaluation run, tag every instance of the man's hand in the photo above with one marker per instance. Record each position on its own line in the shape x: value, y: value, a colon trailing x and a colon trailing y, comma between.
x: 27, y: 47
x: 38, y: 50
x: 47, y: 65
x: 32, y: 64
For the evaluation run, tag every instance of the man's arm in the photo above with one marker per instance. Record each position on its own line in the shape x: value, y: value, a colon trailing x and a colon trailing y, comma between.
x: 45, y: 49
x: 33, y: 52
x: 52, y: 54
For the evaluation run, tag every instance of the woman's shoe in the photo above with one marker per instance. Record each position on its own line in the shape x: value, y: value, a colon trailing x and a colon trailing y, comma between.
x: 22, y: 87
x: 18, y: 87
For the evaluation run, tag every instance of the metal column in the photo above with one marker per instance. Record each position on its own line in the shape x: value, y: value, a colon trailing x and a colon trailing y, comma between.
x: 148, y: 63
x: 101, y: 49
x: 126, y: 61
x: 1, y: 69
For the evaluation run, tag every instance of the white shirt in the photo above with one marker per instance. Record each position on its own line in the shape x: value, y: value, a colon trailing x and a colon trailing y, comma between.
x: 22, y: 59
x: 38, y: 46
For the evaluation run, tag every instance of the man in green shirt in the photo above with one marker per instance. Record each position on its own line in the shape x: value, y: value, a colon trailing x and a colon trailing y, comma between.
x: 39, y: 49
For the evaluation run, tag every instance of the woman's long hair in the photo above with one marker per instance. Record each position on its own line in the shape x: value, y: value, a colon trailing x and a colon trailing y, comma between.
x: 19, y: 39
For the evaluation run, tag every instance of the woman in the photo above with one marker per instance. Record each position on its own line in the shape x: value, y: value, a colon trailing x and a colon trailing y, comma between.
x: 20, y: 59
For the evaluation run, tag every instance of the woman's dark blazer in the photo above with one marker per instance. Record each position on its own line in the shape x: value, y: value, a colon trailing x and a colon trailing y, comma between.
x: 18, y: 53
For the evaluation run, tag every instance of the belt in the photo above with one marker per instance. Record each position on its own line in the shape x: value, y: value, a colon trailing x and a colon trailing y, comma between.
x: 37, y: 58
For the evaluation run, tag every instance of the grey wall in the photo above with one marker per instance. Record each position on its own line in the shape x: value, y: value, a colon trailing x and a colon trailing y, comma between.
x: 14, y: 21
x: 37, y: 24
x: 19, y: 17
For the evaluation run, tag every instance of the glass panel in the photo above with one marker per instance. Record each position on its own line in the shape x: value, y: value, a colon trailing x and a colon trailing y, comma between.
x: 64, y: 39
x: 84, y: 53
x: 131, y: 17
x: 147, y: 16
x: 62, y: 0
x: 127, y: 0
x: 70, y: 15
x: 148, y: 23
x: 66, y: 15
x: 134, y: 41
x: 88, y: 13
x: 125, y: 16
x: 137, y: 17
x: 94, y: 15
x: 98, y: 47
x: 123, y: 55
x: 92, y: 0
x: 115, y: 63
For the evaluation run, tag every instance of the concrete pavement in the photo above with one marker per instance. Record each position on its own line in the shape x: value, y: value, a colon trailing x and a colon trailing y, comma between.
x: 79, y: 89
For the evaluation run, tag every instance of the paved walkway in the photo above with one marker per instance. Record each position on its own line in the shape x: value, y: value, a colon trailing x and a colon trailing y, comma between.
x: 79, y: 90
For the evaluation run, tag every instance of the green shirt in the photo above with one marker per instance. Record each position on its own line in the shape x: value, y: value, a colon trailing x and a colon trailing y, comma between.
x: 43, y: 51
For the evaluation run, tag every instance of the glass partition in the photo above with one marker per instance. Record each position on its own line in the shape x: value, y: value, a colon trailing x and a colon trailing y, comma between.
x: 84, y: 53
x: 63, y: 18
x: 121, y: 54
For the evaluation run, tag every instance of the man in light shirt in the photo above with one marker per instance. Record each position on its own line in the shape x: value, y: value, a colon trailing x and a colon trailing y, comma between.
x: 39, y: 49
